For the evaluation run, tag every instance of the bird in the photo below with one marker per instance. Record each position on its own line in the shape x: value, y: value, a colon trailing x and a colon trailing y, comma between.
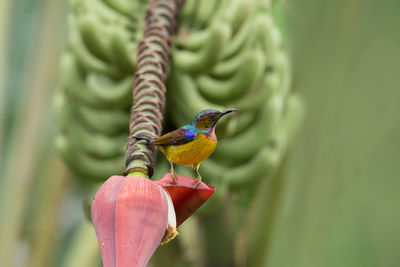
x: 192, y: 143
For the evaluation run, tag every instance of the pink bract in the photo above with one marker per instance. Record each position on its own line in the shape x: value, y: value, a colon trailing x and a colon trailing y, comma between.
x: 130, y: 218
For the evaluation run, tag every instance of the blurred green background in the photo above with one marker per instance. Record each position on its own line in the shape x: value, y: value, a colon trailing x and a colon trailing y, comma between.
x: 335, y: 200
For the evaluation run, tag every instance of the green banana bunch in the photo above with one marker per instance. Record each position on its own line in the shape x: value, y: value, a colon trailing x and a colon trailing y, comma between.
x: 230, y: 54
x: 227, y: 53
x: 95, y: 92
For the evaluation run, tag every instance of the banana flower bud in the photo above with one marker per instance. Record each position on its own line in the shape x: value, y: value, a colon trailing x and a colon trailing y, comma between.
x: 133, y: 215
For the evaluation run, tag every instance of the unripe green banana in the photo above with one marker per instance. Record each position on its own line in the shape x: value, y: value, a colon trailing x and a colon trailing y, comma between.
x: 268, y: 34
x: 239, y: 40
x: 240, y: 123
x: 184, y: 95
x: 95, y: 145
x: 226, y: 68
x: 224, y: 91
x: 282, y: 67
x: 110, y: 122
x: 101, y: 10
x: 257, y: 98
x: 194, y: 41
x: 124, y: 6
x: 94, y: 37
x: 123, y: 51
x: 238, y: 177
x: 207, y: 55
x: 187, y: 11
x: 239, y: 148
x: 205, y: 11
x: 267, y: 160
x: 235, y: 12
x: 86, y: 166
x: 85, y: 57
x: 112, y: 93
x: 95, y: 90
x: 261, y: 165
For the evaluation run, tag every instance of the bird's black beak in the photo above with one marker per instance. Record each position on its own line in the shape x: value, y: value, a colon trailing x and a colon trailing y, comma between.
x: 228, y: 111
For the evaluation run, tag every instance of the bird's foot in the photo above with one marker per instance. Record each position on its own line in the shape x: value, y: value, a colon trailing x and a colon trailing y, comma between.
x: 172, y: 171
x: 197, y: 181
x: 173, y: 175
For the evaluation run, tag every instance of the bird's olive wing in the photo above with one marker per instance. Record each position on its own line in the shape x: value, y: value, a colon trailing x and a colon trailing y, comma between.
x: 177, y: 137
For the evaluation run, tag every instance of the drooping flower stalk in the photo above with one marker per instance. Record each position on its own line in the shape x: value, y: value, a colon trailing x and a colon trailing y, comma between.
x: 149, y: 84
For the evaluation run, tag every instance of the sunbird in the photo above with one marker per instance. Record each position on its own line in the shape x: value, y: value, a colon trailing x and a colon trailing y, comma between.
x: 192, y: 143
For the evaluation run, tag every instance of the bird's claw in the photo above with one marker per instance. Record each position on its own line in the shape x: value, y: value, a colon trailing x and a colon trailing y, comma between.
x: 197, y: 181
x: 173, y: 175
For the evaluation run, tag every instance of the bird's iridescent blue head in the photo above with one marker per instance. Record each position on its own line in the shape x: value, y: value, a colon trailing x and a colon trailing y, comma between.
x: 208, y: 118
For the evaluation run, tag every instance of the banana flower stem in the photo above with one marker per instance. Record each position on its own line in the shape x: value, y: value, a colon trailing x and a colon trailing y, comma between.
x: 149, y: 84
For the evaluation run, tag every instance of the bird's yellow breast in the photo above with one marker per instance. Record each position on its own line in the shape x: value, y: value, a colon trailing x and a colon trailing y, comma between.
x: 193, y: 152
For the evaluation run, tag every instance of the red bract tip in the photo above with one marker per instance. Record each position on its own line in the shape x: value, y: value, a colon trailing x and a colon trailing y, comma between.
x: 186, y: 196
